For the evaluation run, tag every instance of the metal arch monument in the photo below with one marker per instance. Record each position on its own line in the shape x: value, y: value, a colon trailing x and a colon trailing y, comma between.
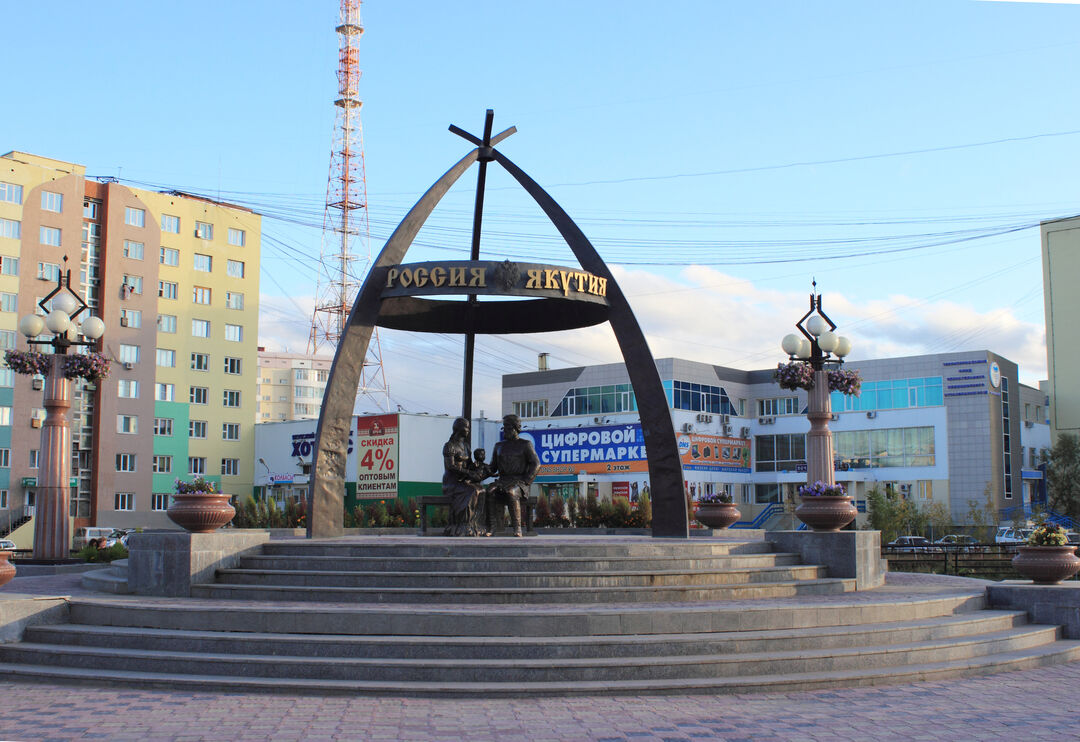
x: 555, y: 298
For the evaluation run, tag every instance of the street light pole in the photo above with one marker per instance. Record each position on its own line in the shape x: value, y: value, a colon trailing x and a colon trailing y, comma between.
x: 824, y: 350
x: 52, y: 508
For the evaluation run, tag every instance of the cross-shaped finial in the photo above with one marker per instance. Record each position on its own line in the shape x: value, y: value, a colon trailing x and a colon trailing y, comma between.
x: 488, y: 141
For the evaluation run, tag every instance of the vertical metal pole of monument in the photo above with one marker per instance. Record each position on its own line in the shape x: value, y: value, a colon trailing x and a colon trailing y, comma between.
x: 478, y: 218
x: 819, y: 446
x: 52, y: 527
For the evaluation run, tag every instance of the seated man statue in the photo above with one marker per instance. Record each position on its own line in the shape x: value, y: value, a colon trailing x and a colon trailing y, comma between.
x: 515, y: 463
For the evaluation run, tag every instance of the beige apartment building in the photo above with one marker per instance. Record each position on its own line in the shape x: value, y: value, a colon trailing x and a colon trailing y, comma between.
x: 291, y: 386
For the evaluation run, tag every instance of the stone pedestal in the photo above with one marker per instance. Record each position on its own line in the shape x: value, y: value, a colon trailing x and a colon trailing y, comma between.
x: 846, y: 553
x: 170, y: 562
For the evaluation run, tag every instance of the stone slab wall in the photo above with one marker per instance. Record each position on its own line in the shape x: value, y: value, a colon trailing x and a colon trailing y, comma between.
x: 16, y: 613
x: 846, y: 553
x: 1046, y: 604
x: 169, y: 563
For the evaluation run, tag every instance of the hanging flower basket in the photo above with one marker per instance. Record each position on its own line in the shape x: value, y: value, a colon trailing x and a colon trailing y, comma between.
x: 800, y: 375
x: 27, y: 362
x: 90, y: 366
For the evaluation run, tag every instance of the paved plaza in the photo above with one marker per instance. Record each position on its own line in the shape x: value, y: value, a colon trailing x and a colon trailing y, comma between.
x: 1027, y: 705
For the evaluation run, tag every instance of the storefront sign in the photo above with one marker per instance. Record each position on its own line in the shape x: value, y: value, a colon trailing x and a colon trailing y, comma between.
x: 714, y: 453
x: 599, y: 450
x: 620, y: 489
x: 376, y: 470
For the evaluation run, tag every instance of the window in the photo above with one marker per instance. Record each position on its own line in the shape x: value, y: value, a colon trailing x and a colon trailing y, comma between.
x: 3, y: 499
x: 887, y: 447
x: 130, y: 318
x: 201, y: 295
x: 133, y: 250
x: 127, y: 388
x: 323, y: 375
x: 200, y: 361
x: 163, y: 425
x: 7, y: 377
x: 231, y: 398
x: 595, y: 400
x: 784, y: 452
x: 778, y: 406
x: 10, y: 228
x: 7, y: 339
x: 91, y: 207
x: 133, y: 283
x: 196, y: 465
x: 203, y: 263
x: 236, y: 237
x: 197, y: 429
x: 234, y: 300
x: 303, y: 391
x: 128, y: 353
x: 233, y: 365
x: 35, y: 457
x: 9, y: 266
x: 235, y: 333
x: 10, y: 192
x: 532, y: 408
x: 160, y: 500
x: 5, y: 416
x: 5, y: 458
x: 303, y: 409
x: 234, y: 268
x: 125, y: 462
x: 170, y: 224
x: 166, y: 289
x: 198, y: 394
x: 230, y: 467
x: 48, y: 271
x: 52, y: 201
x: 9, y: 302
x: 124, y: 501
x: 127, y: 424
x: 166, y: 358
x: 301, y: 374
x: 204, y: 230
x: 166, y: 323
x: 230, y: 431
x: 899, y: 393
x: 164, y: 392
x: 200, y: 328
x: 163, y: 465
x: 134, y: 217
x: 169, y: 256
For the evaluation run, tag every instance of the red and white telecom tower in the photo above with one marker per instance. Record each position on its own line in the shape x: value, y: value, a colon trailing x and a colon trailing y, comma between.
x: 346, y: 253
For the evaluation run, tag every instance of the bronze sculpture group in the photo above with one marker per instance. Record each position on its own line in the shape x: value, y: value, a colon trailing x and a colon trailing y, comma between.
x: 514, y: 463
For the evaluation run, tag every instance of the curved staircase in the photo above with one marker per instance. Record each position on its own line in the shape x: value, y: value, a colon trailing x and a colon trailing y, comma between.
x: 539, y: 616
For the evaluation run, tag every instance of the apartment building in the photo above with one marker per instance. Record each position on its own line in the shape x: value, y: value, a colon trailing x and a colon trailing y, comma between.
x: 290, y: 386
x: 175, y: 277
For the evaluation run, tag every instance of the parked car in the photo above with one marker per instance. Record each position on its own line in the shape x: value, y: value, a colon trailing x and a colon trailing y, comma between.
x: 85, y: 534
x: 1007, y: 535
x: 1074, y: 537
x: 910, y: 543
x: 962, y: 540
x: 7, y: 544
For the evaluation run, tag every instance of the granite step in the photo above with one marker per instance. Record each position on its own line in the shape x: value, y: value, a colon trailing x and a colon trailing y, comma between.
x: 523, y: 595
x: 1021, y: 659
x: 526, y: 648
x: 450, y: 548
x: 517, y: 580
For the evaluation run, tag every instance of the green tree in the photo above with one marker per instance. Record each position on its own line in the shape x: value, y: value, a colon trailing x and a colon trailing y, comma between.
x: 983, y: 519
x: 883, y: 513
x: 1063, y: 475
x: 940, y: 519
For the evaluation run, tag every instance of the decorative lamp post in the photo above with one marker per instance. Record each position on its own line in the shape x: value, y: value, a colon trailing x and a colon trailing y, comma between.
x: 823, y: 351
x: 52, y: 533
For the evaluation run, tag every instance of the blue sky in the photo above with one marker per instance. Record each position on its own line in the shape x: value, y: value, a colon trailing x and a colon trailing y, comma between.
x: 715, y: 152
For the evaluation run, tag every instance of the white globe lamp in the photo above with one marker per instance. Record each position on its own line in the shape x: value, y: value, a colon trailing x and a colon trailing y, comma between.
x: 65, y: 302
x: 843, y: 346
x: 58, y: 321
x: 828, y: 341
x: 93, y: 327
x: 816, y: 325
x: 31, y: 325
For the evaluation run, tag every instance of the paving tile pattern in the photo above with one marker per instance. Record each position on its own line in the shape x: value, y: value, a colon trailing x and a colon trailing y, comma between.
x: 1029, y: 705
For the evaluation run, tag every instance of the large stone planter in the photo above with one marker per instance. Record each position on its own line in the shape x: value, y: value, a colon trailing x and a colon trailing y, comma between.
x: 826, y: 512
x: 717, y: 514
x: 201, y: 512
x: 7, y: 569
x: 1047, y: 565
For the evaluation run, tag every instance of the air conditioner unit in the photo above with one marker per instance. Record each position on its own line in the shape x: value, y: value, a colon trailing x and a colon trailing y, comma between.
x: 761, y: 420
x: 37, y: 383
x: 687, y: 428
x: 836, y: 416
x: 727, y: 430
x: 123, y: 321
x: 128, y: 365
x: 725, y: 419
x: 35, y: 422
x: 871, y: 415
x: 597, y: 420
x: 744, y: 432
x: 1029, y: 424
x: 905, y: 488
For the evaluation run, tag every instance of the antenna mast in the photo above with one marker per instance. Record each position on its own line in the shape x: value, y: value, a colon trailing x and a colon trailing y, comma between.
x: 345, y: 222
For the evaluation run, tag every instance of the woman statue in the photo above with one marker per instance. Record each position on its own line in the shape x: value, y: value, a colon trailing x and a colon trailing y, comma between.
x: 461, y: 482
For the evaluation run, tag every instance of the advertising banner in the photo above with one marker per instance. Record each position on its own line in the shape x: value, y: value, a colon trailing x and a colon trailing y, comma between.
x: 377, y: 448
x: 605, y: 449
x: 701, y: 452
x: 621, y: 489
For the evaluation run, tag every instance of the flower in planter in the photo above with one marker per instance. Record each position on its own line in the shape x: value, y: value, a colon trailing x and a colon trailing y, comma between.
x: 820, y: 489
x: 719, y: 497
x: 27, y: 362
x: 199, y: 486
x: 90, y: 366
x: 1048, y: 534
